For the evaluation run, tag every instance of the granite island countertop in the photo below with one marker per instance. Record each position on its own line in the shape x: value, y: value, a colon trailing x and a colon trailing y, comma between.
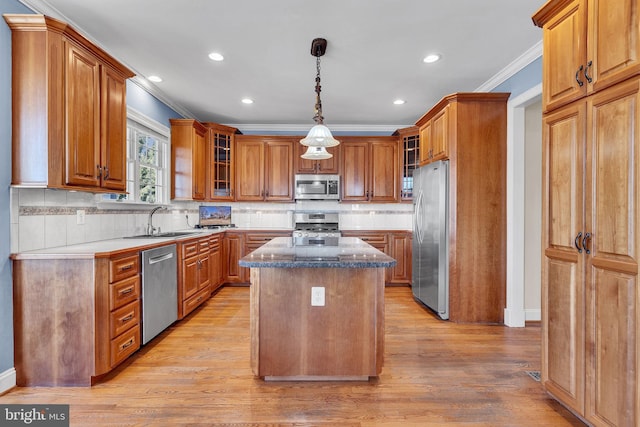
x: 351, y: 252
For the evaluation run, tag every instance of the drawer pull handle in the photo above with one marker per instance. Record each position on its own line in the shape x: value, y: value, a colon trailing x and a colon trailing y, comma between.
x: 126, y: 319
x: 126, y: 267
x: 126, y: 291
x: 127, y: 344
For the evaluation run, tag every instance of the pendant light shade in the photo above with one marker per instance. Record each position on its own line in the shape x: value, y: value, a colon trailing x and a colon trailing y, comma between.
x: 319, y: 136
x: 317, y: 153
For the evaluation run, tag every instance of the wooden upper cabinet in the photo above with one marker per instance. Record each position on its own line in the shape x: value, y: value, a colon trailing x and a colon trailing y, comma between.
x: 264, y: 168
x: 434, y: 133
x: 188, y: 160
x: 327, y: 166
x: 220, y: 154
x: 588, y: 45
x: 68, y: 107
x: 410, y: 159
x: 370, y: 169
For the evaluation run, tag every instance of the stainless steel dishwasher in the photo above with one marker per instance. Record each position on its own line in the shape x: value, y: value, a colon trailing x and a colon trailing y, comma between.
x: 159, y: 290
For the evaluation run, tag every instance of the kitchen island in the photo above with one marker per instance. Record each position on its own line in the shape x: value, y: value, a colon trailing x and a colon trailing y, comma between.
x: 317, y: 312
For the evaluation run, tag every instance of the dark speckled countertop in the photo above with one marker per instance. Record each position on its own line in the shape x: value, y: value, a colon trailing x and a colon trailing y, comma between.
x: 351, y: 252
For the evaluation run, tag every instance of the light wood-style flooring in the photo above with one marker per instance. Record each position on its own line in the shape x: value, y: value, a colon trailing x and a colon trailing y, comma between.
x: 436, y: 373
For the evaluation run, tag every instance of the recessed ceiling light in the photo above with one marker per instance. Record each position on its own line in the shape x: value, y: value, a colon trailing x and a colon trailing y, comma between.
x: 433, y: 57
x: 215, y: 56
x: 154, y: 79
x: 399, y: 101
x: 247, y: 101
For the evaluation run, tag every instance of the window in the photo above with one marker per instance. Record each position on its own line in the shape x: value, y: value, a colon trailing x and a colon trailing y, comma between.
x: 147, y: 160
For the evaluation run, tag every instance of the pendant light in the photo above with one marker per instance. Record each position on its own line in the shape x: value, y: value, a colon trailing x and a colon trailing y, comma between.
x: 319, y: 136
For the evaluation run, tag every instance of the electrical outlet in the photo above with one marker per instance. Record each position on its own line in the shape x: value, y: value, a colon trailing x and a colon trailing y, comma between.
x: 317, y: 296
x: 80, y: 213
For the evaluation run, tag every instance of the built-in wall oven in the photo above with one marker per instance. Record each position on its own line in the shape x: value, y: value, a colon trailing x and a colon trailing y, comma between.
x: 316, y: 228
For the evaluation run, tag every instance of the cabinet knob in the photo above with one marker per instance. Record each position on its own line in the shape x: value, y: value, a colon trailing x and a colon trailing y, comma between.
x: 106, y: 172
x: 586, y: 72
x: 99, y: 171
x: 580, y: 82
x: 586, y: 239
x: 576, y: 242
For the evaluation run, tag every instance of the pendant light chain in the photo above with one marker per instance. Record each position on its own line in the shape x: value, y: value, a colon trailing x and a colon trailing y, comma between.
x: 318, y: 109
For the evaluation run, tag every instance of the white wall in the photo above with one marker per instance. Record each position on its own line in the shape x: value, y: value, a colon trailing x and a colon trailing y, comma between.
x: 533, y: 210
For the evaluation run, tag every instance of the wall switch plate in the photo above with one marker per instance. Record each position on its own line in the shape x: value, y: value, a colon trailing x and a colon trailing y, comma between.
x: 80, y: 216
x: 317, y: 296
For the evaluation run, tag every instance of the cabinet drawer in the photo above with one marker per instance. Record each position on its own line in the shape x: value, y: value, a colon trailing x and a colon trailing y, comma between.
x: 265, y: 237
x: 125, y: 345
x: 123, y: 292
x: 192, y: 303
x: 214, y: 243
x: 189, y: 249
x: 371, y: 238
x: 203, y: 245
x: 121, y: 268
x: 124, y: 318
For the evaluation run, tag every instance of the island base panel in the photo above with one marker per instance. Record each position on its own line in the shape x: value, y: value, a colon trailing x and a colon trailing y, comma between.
x: 342, y: 340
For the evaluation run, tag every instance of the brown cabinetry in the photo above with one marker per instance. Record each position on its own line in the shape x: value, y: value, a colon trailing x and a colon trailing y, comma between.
x: 588, y: 46
x: 188, y: 160
x: 396, y: 244
x: 88, y: 314
x: 410, y: 153
x: 327, y: 166
x: 220, y: 154
x: 69, y: 109
x: 469, y: 130
x: 194, y: 275
x: 370, y: 169
x: 264, y: 168
x: 240, y: 243
x: 215, y: 261
x: 590, y: 209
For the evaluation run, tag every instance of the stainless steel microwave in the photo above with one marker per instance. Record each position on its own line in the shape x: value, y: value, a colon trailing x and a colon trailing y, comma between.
x: 317, y: 187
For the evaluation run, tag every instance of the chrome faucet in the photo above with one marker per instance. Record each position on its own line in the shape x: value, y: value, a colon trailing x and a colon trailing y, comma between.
x: 150, y: 228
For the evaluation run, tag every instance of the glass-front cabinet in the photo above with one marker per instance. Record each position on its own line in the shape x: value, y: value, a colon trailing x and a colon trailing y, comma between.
x: 410, y: 145
x: 220, y: 161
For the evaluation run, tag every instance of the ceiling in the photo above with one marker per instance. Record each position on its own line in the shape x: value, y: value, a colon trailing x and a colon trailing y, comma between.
x: 374, y: 53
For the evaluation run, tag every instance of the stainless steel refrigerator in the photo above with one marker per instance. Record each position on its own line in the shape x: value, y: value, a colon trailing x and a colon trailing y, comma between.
x: 430, y: 281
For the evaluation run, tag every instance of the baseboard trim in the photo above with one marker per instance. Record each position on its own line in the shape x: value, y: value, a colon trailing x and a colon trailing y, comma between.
x: 7, y: 380
x: 514, y: 318
x: 532, y: 315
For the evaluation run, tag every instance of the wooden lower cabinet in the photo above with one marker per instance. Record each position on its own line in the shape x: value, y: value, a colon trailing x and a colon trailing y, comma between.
x: 237, y: 244
x: 85, y: 313
x: 396, y: 244
x: 215, y: 261
x: 194, y: 275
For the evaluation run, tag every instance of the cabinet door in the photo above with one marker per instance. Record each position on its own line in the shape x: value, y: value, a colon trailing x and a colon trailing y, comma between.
x: 385, y: 171
x: 82, y: 93
x: 233, y: 246
x: 612, y: 269
x: 114, y: 128
x: 439, y: 144
x: 400, y: 250
x: 249, y: 170
x: 220, y: 168
x: 425, y: 143
x: 355, y: 165
x: 199, y: 165
x: 613, y: 41
x: 278, y: 171
x: 563, y: 363
x: 190, y: 267
x: 563, y: 66
x: 204, y: 270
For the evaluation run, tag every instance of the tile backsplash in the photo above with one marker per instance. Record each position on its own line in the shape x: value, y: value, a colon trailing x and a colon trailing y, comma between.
x: 44, y: 218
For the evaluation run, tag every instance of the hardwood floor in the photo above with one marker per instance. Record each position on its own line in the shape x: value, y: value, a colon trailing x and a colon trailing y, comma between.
x: 435, y: 373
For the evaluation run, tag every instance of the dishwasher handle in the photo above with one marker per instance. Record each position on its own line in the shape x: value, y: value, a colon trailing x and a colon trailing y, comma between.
x: 160, y: 258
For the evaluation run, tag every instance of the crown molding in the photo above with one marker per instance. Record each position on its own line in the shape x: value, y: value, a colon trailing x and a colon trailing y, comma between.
x: 303, y: 129
x: 510, y: 70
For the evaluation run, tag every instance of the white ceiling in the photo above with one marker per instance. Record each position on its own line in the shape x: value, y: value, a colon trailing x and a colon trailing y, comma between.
x: 374, y: 54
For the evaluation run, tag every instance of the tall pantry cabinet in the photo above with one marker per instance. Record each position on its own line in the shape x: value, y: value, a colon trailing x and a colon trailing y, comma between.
x: 591, y: 236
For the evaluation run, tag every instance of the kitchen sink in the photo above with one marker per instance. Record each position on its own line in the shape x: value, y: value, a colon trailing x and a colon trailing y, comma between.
x: 162, y: 235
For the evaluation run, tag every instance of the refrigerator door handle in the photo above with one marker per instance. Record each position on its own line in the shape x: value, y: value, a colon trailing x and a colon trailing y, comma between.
x: 417, y: 217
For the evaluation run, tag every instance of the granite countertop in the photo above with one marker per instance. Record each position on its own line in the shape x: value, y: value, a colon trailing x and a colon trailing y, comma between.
x: 351, y: 252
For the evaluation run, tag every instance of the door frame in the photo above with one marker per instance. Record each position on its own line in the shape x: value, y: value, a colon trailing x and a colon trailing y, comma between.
x: 514, y: 313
